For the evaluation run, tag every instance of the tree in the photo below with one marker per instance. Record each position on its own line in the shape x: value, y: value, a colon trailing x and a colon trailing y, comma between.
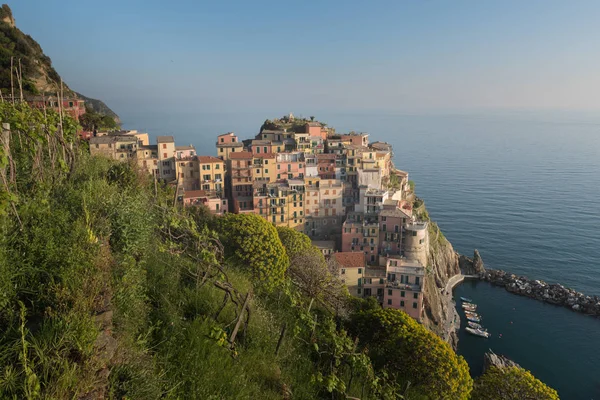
x: 411, y: 354
x: 295, y: 242
x: 511, y: 383
x: 251, y: 242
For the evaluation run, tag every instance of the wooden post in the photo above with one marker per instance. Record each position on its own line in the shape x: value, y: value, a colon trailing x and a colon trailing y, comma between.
x: 281, y: 335
x: 239, y: 321
x: 12, y: 84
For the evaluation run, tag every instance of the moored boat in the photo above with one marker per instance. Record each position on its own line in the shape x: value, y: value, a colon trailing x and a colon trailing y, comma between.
x: 473, y: 318
x: 466, y: 299
x: 475, y: 325
x: 473, y: 314
x: 467, y: 306
x: 478, y: 332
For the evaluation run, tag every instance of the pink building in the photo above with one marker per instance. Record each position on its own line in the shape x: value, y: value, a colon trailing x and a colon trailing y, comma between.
x: 404, y: 286
x: 326, y: 165
x: 213, y: 202
x: 316, y: 129
x: 261, y: 147
x: 391, y: 221
x: 290, y: 165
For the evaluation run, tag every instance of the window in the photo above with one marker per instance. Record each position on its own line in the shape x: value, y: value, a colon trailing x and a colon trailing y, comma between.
x: 417, y: 280
x: 383, y: 219
x: 264, y: 149
x: 401, y: 303
x: 164, y: 145
x: 414, y: 233
x: 415, y: 295
x: 222, y: 140
x: 384, y: 227
x: 402, y: 293
x: 266, y: 171
x: 164, y: 155
x: 343, y: 271
x: 221, y: 149
x: 381, y: 280
x: 360, y: 270
x: 414, y: 305
x: 358, y: 290
x: 257, y: 171
x: 389, y: 292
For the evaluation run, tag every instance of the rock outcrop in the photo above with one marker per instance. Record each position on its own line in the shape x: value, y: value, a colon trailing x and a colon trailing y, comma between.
x: 491, y: 359
x: 550, y: 293
x: 471, y: 266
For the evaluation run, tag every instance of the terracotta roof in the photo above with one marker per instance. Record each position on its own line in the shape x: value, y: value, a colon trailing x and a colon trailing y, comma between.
x: 190, y: 147
x: 326, y: 156
x: 265, y: 155
x: 240, y: 155
x: 209, y: 159
x: 350, y: 259
x: 194, y: 193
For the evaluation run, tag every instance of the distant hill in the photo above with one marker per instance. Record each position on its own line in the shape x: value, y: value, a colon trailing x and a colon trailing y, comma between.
x: 99, y: 107
x: 38, y: 75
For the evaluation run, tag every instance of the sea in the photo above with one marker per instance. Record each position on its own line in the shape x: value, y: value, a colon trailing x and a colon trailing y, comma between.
x: 521, y: 187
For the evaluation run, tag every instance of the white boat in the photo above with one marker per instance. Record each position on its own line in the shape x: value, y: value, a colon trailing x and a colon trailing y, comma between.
x: 475, y: 325
x: 466, y: 299
x: 478, y: 332
x: 473, y: 314
x: 469, y: 306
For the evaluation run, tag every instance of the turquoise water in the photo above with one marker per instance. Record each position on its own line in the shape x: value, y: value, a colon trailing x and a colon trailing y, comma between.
x: 523, y: 188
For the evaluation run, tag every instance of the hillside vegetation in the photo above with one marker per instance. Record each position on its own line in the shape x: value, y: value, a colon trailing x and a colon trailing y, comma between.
x: 109, y: 290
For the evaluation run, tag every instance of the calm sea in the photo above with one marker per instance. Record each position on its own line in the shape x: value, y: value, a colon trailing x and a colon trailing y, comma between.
x: 523, y: 188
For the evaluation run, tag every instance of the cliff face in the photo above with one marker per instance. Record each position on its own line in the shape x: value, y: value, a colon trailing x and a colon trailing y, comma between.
x: 443, y: 263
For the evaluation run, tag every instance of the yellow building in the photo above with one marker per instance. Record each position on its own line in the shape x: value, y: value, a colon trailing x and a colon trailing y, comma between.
x: 265, y: 168
x: 351, y: 270
x: 280, y: 203
x: 211, y: 173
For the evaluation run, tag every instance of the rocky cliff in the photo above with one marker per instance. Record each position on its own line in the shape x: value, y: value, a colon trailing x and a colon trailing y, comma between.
x: 22, y: 57
x: 443, y: 264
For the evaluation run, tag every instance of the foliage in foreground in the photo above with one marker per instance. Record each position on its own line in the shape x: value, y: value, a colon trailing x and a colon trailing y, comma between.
x: 109, y: 290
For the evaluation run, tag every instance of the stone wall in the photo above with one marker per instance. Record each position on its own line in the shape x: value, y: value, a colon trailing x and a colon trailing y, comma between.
x: 550, y: 293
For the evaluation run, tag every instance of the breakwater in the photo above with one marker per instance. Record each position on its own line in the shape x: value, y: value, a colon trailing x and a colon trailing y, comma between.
x: 537, y: 289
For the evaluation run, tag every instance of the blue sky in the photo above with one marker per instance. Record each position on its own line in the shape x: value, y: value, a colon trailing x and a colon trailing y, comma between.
x: 323, y: 55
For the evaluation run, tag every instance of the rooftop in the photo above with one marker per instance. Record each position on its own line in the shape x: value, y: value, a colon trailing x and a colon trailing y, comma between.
x: 209, y: 159
x: 165, y: 139
x: 241, y: 155
x: 350, y: 259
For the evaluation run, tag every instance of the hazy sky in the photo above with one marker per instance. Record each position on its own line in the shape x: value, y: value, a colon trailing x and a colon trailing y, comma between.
x: 323, y: 55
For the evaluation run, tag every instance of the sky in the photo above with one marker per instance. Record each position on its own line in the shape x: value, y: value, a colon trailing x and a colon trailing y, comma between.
x: 328, y: 55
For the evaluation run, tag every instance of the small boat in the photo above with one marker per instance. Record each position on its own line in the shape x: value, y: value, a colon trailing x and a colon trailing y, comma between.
x: 475, y: 325
x: 473, y: 314
x: 469, y: 305
x: 466, y: 299
x: 469, y: 309
x: 473, y: 318
x: 478, y: 332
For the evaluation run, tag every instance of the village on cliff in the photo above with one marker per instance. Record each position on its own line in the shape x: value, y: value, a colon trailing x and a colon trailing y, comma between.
x: 339, y: 189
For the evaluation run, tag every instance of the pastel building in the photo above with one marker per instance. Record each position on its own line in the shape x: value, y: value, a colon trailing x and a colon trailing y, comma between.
x: 265, y: 167
x: 166, y: 158
x: 240, y: 176
x: 213, y: 202
x: 227, y: 144
x: 416, y: 241
x: 404, y: 286
x: 351, y: 268
x: 290, y: 165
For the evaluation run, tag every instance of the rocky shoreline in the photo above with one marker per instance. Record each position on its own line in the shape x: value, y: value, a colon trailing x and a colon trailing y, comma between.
x: 549, y: 293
